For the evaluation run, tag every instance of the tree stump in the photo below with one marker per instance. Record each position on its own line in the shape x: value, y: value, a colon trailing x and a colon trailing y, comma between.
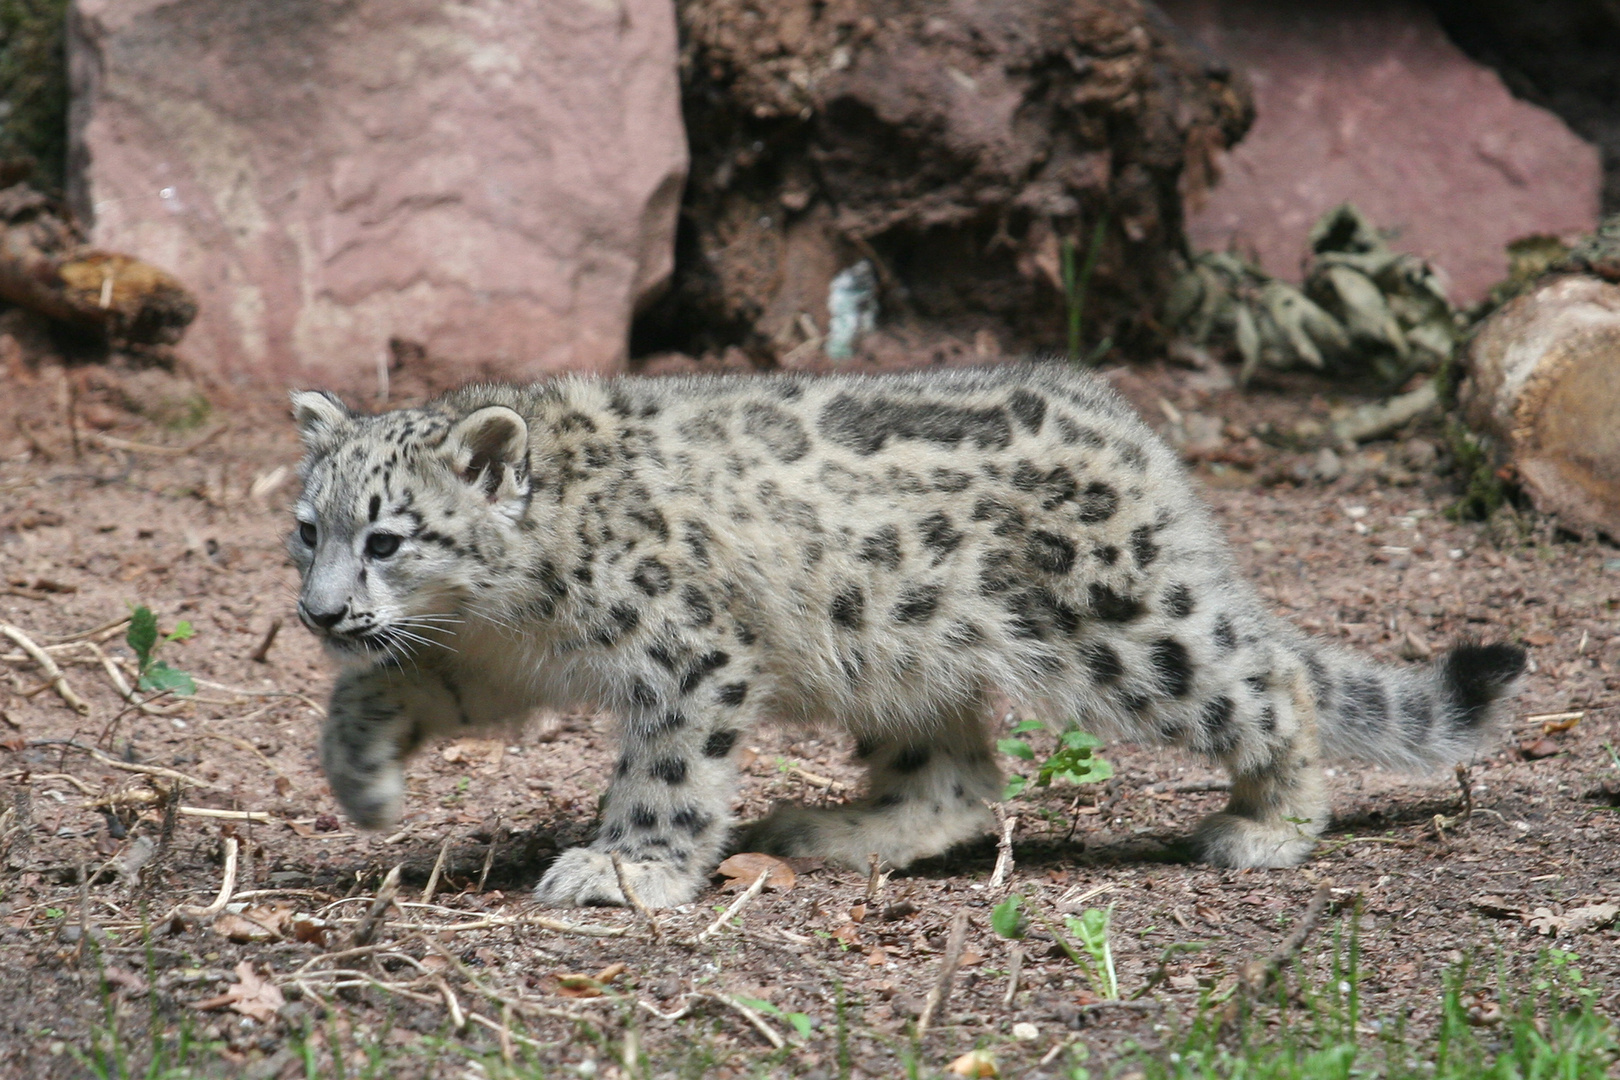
x: 1543, y: 381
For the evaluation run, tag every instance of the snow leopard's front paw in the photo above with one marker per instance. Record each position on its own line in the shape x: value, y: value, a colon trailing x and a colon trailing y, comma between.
x: 363, y: 748
x: 583, y: 877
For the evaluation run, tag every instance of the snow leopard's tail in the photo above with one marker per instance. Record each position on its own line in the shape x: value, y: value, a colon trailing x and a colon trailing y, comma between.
x: 1411, y: 718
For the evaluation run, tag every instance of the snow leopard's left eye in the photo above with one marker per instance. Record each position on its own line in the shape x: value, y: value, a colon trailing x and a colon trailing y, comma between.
x: 306, y: 532
x: 380, y: 545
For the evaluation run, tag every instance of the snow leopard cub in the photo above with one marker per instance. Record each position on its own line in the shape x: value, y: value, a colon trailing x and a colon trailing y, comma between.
x: 883, y: 554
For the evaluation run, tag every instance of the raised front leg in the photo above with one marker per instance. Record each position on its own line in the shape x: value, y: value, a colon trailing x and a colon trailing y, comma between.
x: 925, y: 795
x: 377, y: 718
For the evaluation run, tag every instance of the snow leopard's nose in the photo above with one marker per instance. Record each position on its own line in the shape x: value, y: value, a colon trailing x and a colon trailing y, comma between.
x: 321, y: 620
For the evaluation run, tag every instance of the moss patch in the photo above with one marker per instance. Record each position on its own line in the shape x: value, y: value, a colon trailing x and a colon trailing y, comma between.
x: 33, y: 86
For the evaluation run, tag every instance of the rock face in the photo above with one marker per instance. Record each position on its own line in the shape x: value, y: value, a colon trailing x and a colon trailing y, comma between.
x: 491, y: 184
x: 1367, y: 101
x: 959, y: 147
x: 1541, y: 382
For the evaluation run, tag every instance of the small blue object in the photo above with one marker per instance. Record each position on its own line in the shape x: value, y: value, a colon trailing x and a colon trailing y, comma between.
x: 852, y: 309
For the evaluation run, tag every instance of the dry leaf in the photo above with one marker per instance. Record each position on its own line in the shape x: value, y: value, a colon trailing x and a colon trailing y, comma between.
x: 252, y: 996
x: 969, y: 958
x: 1538, y: 748
x: 1591, y: 917
x: 309, y: 931
x: 857, y: 913
x: 1556, y: 727
x: 846, y: 933
x: 488, y: 753
x: 877, y: 957
x: 1538, y: 637
x: 975, y: 1063
x: 744, y: 870
x: 1498, y: 907
x: 578, y: 985
x: 1579, y: 921
x: 1544, y: 921
x: 259, y: 923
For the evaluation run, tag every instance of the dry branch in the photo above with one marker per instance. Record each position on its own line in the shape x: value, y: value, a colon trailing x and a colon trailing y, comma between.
x: 1256, y: 976
x: 1004, y: 848
x: 127, y: 766
x: 433, y: 876
x: 261, y: 654
x: 47, y: 667
x: 367, y: 928
x: 736, y: 906
x: 633, y: 898
x: 941, y: 992
x: 772, y: 1036
x: 227, y: 886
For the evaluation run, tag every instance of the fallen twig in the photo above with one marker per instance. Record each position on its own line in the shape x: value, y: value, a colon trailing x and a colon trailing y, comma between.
x: 1004, y: 848
x: 954, y: 944
x: 127, y: 766
x: 826, y: 783
x: 367, y: 929
x: 1187, y: 787
x: 875, y: 877
x: 736, y: 906
x: 489, y: 855
x: 1015, y: 969
x: 48, y: 668
x: 433, y: 875
x: 227, y: 886
x: 772, y: 1036
x: 261, y: 654
x: 1255, y: 976
x: 110, y: 442
x: 632, y: 898
x: 102, y: 632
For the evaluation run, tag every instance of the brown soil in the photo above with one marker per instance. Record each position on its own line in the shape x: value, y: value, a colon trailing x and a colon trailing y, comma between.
x: 1368, y: 558
x: 959, y: 155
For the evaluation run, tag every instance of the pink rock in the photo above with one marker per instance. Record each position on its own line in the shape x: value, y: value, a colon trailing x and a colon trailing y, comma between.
x: 1368, y: 101
x: 495, y: 181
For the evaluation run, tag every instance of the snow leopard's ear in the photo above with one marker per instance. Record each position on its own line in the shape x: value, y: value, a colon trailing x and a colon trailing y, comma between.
x: 319, y: 415
x: 490, y: 449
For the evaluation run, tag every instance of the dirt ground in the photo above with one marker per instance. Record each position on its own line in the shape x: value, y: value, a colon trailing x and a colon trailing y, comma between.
x: 115, y: 510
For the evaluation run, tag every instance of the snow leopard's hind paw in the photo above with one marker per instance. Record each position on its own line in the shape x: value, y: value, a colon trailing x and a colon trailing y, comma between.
x: 583, y: 877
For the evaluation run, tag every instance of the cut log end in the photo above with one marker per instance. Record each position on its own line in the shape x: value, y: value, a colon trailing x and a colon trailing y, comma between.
x: 1542, y: 382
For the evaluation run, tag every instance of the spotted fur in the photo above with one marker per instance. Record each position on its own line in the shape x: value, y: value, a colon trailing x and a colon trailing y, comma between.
x: 697, y: 555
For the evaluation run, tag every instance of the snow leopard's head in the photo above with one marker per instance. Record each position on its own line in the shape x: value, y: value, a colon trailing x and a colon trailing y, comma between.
x: 401, y: 518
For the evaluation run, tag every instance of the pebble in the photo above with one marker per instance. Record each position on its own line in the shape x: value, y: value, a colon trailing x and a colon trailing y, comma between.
x: 1024, y: 1031
x: 1327, y: 467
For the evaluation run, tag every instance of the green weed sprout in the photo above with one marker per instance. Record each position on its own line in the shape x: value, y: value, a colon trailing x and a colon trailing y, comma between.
x: 801, y: 1022
x: 1076, y: 283
x: 156, y: 676
x: 1075, y: 759
x: 1095, y: 955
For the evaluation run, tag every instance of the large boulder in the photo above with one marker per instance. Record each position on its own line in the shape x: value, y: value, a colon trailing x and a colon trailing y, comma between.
x: 1368, y: 101
x: 490, y: 184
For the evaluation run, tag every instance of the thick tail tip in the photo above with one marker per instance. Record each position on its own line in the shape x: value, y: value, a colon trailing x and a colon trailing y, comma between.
x: 1475, y: 675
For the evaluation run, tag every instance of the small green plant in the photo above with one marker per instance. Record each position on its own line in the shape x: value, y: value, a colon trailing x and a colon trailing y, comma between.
x: 801, y: 1022
x: 1484, y: 491
x: 1076, y: 283
x: 156, y: 676
x: 1074, y: 760
x: 1091, y: 930
x: 1094, y: 956
x: 1007, y: 918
